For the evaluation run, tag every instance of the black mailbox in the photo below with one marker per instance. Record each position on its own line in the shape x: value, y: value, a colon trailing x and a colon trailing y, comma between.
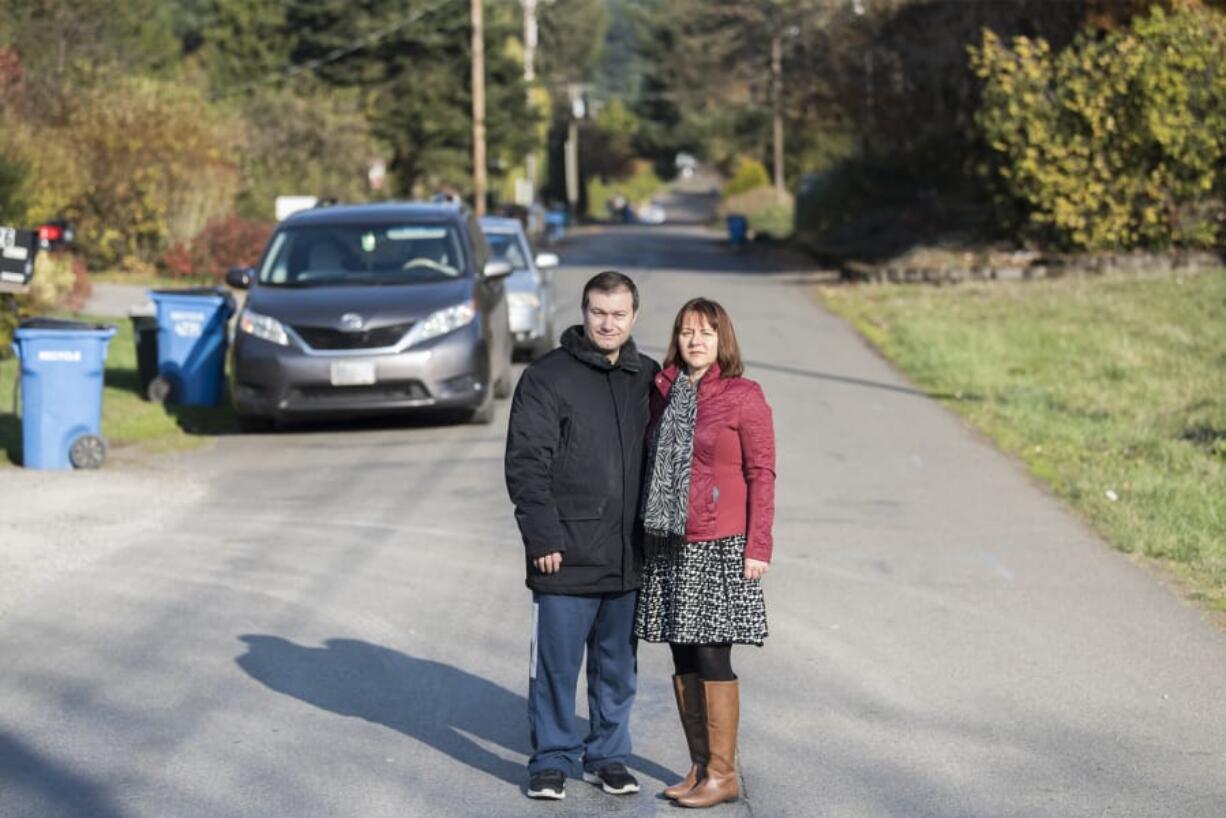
x: 17, y: 251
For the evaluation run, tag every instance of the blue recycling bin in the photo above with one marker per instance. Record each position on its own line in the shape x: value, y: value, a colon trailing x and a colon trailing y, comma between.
x: 555, y: 225
x: 738, y: 229
x: 61, y: 392
x: 191, y: 343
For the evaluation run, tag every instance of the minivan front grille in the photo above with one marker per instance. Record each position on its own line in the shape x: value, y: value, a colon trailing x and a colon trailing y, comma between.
x: 390, y: 391
x: 328, y: 338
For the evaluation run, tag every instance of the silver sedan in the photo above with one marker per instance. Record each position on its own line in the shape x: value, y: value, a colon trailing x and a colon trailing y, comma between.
x: 530, y: 292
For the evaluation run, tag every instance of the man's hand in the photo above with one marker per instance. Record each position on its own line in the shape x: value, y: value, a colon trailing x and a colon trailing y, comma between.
x: 550, y: 563
x: 755, y: 569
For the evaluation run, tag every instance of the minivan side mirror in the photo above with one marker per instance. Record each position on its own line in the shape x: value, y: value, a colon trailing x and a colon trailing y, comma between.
x: 547, y: 260
x: 240, y: 277
x: 496, y: 269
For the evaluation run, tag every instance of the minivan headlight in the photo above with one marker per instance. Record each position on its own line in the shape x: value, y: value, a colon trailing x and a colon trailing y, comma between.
x: 442, y: 322
x: 264, y: 327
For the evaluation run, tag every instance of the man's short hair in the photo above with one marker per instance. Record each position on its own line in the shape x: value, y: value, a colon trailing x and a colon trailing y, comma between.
x: 611, y: 281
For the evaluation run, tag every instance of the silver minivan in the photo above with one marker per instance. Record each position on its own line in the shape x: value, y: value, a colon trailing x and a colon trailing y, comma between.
x: 371, y: 309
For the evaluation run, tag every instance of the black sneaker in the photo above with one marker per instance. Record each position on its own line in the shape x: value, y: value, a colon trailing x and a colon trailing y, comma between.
x: 614, y: 779
x: 547, y: 784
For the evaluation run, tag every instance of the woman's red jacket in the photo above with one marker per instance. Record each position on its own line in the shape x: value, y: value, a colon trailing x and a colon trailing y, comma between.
x: 732, y: 485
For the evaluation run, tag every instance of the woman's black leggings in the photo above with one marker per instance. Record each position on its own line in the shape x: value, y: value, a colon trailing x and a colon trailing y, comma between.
x: 712, y: 663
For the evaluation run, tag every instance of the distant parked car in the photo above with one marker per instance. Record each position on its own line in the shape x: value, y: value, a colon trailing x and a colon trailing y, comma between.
x: 652, y: 212
x: 530, y: 291
x: 378, y: 308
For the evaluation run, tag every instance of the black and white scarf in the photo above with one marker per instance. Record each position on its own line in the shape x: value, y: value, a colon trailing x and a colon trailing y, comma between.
x: 670, y: 461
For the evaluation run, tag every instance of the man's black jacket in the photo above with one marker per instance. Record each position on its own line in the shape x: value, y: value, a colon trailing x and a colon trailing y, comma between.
x: 574, y: 464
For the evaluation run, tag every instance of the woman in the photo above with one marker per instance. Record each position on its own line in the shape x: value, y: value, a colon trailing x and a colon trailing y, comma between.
x: 708, y: 508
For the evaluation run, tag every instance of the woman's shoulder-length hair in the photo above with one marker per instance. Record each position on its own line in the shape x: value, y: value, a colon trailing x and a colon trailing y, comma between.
x: 728, y: 356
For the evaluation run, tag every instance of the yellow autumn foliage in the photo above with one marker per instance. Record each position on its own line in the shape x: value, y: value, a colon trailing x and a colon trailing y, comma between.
x: 138, y: 164
x: 1112, y: 143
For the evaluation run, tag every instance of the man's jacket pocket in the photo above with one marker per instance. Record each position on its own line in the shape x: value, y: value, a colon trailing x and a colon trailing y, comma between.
x: 581, y: 519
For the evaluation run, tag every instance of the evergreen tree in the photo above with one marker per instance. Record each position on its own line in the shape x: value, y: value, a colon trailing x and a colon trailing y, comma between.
x: 414, y: 64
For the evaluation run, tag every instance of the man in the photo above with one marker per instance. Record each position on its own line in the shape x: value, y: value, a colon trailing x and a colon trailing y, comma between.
x: 573, y: 463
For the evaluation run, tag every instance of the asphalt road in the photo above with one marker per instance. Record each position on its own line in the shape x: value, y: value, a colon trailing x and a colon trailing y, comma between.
x: 332, y: 622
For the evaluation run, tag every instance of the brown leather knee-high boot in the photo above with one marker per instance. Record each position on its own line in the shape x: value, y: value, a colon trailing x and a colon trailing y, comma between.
x: 723, y: 706
x: 688, y: 688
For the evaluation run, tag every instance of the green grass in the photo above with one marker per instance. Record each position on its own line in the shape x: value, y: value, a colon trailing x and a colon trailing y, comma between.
x: 1104, y: 385
x: 127, y: 419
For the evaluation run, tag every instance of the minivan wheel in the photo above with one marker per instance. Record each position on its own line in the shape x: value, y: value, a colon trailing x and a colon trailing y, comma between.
x: 483, y: 414
x: 254, y: 424
x: 542, y: 345
x: 502, y: 386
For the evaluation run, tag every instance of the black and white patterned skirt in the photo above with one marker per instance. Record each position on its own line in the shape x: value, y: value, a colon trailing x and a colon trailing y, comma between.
x: 701, y: 596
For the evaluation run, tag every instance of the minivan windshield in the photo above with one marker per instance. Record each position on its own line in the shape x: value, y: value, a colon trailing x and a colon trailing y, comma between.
x: 342, y: 254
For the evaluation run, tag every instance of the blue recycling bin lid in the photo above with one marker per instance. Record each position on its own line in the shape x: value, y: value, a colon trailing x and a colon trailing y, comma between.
x: 61, y: 325
x: 218, y: 291
x: 196, y: 292
x: 34, y: 329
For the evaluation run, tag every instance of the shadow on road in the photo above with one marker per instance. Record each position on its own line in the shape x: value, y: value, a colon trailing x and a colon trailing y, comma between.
x: 31, y: 784
x: 431, y: 702
x: 829, y: 376
x: 889, y: 387
x: 214, y: 421
x: 209, y: 421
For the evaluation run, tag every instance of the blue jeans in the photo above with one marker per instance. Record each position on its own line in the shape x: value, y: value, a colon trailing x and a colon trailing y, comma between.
x: 563, y: 626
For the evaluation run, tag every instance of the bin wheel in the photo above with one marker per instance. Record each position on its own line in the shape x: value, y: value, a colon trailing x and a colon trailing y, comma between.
x: 87, y: 452
x: 159, y: 390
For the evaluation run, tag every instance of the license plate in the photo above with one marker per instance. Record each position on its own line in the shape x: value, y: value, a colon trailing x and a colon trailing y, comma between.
x: 346, y: 373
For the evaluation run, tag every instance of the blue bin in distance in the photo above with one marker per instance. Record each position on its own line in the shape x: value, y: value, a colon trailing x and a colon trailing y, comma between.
x: 555, y: 224
x: 738, y: 229
x: 61, y: 392
x: 192, y: 343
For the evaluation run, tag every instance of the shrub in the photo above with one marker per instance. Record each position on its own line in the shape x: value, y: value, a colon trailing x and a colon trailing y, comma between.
x: 1112, y: 142
x: 767, y: 211
x: 637, y: 188
x: 136, y: 162
x: 60, y: 282
x: 159, y: 158
x: 295, y: 142
x: 52, y: 173
x: 750, y: 174
x: 12, y: 177
x: 55, y: 280
x: 228, y: 242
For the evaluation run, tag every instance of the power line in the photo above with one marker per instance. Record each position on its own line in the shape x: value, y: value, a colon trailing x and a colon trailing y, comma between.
x: 333, y: 55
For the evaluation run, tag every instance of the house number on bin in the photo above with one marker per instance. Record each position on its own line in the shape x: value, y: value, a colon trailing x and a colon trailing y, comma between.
x: 187, y: 324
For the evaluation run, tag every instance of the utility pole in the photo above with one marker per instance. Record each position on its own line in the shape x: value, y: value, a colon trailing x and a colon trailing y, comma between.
x: 478, y: 67
x: 578, y: 110
x: 530, y: 40
x: 777, y: 105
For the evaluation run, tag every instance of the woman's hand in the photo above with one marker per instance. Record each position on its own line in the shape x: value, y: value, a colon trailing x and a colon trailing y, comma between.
x: 755, y: 569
